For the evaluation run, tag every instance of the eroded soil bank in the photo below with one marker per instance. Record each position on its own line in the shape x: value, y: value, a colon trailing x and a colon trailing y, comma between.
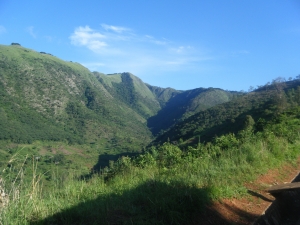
x: 249, y: 209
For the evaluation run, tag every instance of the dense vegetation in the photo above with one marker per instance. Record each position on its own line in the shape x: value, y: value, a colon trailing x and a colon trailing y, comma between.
x: 165, y: 185
x: 44, y: 98
x: 182, y: 105
x: 66, y: 134
x: 131, y: 91
x: 262, y: 104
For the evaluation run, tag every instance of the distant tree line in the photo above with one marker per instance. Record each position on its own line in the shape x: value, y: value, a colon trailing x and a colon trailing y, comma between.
x: 46, y: 53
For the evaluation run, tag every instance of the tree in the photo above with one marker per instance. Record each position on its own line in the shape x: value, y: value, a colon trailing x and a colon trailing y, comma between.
x: 297, y: 95
x: 251, y: 88
x: 279, y: 98
x: 249, y: 123
x: 59, y: 158
x: 91, y: 98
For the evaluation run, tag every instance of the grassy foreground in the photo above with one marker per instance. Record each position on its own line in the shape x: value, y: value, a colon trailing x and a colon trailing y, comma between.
x: 165, y: 185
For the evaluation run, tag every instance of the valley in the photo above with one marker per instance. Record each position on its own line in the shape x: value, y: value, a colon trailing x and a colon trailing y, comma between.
x: 82, y: 147
x: 47, y: 103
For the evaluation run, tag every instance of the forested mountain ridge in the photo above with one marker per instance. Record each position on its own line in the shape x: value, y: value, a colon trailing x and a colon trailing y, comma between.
x: 163, y: 95
x: 262, y: 105
x: 67, y: 137
x: 130, y: 90
x: 177, y: 183
x: 45, y: 98
x: 182, y: 105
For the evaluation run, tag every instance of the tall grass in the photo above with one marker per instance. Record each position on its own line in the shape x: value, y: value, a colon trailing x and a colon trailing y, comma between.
x: 166, y: 185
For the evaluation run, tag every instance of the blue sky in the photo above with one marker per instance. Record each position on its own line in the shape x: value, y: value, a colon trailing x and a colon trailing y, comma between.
x: 229, y: 44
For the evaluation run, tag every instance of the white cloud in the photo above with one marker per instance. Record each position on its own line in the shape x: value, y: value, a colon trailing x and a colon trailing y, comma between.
x: 120, y: 49
x: 85, y: 36
x: 2, y: 29
x: 114, y: 28
x: 181, y: 49
x: 110, y: 40
x: 30, y: 30
x: 155, y: 41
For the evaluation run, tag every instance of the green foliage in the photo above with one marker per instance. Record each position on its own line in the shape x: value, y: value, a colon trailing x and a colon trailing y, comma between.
x: 163, y: 95
x: 45, y: 98
x: 58, y: 158
x: 131, y: 91
x: 182, y: 105
x: 165, y: 185
x: 169, y: 155
x: 91, y: 98
x: 235, y: 115
x: 228, y: 141
x: 67, y: 120
x: 249, y: 123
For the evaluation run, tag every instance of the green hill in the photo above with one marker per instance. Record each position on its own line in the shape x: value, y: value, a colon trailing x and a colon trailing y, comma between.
x: 163, y: 95
x: 229, y: 117
x: 53, y: 107
x: 45, y: 98
x: 183, y: 104
x: 171, y: 183
x: 132, y: 91
x: 59, y: 122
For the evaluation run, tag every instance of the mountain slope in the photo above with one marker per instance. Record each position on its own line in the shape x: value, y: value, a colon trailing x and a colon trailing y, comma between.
x: 163, y: 95
x: 181, y: 105
x: 231, y: 116
x: 132, y: 91
x: 45, y: 98
x: 163, y: 107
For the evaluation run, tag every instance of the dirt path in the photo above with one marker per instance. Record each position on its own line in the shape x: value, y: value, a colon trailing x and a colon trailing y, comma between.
x: 247, y: 210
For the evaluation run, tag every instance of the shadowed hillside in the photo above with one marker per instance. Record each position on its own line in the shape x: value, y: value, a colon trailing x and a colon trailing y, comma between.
x: 45, y: 98
x: 230, y: 117
x: 181, y: 105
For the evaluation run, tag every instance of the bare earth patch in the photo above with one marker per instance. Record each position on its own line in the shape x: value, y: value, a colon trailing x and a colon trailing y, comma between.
x: 43, y: 151
x: 246, y: 210
x: 78, y: 151
x: 64, y: 151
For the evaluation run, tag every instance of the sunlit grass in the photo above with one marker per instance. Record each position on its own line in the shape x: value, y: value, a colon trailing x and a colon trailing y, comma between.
x: 163, y: 186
